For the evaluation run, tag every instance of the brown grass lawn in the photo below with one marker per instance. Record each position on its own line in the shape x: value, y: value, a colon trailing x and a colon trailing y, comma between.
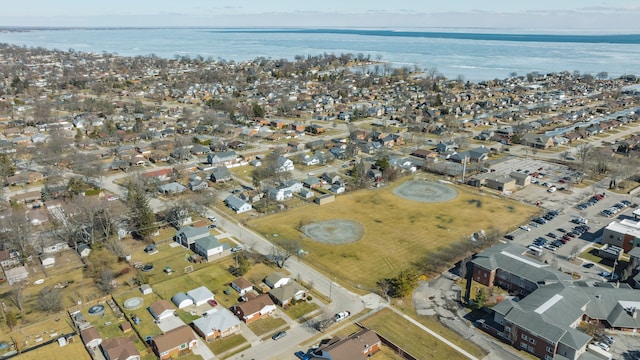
x: 409, y: 337
x: 74, y: 350
x: 397, y: 231
x: 266, y: 325
x: 219, y: 346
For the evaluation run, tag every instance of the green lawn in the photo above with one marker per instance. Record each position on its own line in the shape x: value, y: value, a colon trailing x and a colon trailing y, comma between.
x: 266, y: 325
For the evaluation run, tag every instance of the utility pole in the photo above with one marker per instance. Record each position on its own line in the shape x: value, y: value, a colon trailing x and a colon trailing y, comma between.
x: 464, y: 167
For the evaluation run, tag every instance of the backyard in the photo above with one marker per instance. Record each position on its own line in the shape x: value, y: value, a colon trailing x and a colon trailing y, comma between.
x: 396, y: 232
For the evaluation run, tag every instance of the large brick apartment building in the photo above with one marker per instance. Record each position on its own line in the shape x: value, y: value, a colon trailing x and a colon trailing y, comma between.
x: 544, y: 318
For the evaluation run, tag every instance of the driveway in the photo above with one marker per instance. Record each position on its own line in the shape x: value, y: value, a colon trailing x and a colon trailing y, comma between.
x: 170, y: 323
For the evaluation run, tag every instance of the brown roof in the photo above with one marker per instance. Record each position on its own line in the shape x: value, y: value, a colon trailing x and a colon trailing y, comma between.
x: 89, y: 334
x: 119, y: 348
x: 174, y: 338
x: 256, y: 304
x: 242, y: 283
x: 160, y: 306
x: 353, y: 347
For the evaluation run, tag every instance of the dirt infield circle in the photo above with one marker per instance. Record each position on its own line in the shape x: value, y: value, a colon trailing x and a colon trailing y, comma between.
x: 334, y: 231
x: 425, y: 191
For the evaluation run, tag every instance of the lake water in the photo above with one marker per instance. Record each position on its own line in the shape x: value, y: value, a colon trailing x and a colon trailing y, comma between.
x: 471, y: 55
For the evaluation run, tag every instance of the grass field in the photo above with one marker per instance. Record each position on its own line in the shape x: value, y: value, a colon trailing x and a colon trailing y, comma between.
x: 409, y: 337
x: 266, y: 325
x: 397, y: 231
x: 221, y: 345
x: 74, y: 350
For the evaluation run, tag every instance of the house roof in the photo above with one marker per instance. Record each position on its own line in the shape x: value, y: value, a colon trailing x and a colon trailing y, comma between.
x: 234, y: 202
x: 174, y: 338
x: 242, y: 283
x: 274, y: 277
x: 161, y: 306
x: 254, y: 305
x: 200, y: 294
x: 220, y: 172
x: 90, y: 334
x: 217, y: 319
x: 288, y: 291
x: 352, y: 347
x: 208, y: 243
x: 119, y: 348
x: 191, y: 232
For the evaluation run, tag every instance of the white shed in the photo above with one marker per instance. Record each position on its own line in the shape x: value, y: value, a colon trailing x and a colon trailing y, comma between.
x: 200, y: 295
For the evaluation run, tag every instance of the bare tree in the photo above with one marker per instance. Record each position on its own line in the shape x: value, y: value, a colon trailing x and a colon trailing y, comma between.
x: 49, y: 300
x: 285, y: 251
x: 17, y: 295
x: 19, y: 232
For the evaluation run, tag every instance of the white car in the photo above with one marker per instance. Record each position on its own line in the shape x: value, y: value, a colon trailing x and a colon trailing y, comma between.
x: 525, y: 228
x: 551, y: 189
x: 601, y: 345
x: 341, y: 316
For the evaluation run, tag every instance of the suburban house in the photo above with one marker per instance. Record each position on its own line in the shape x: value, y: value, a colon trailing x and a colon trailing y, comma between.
x: 174, y: 343
x: 254, y: 309
x: 222, y: 158
x: 172, y: 188
x: 16, y: 274
x: 624, y: 234
x: 276, y: 279
x: 161, y: 309
x: 158, y: 175
x: 241, y: 285
x: 285, y: 190
x: 284, y: 164
x: 208, y: 246
x: 236, y: 204
x: 9, y: 259
x: 188, y: 235
x: 220, y: 174
x: 200, y: 295
x: 196, y: 183
x: 216, y: 323
x: 120, y: 349
x: 284, y: 294
x: 538, y: 141
x: 91, y: 338
x: 360, y: 345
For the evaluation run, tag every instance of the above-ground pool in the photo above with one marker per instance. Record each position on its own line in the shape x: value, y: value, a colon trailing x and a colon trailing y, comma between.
x: 96, y: 310
x: 133, y: 303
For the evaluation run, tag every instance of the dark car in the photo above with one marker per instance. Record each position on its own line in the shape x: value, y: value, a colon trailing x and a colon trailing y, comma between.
x: 562, y: 230
x: 509, y: 237
x: 279, y: 335
x: 552, y: 235
x: 588, y: 265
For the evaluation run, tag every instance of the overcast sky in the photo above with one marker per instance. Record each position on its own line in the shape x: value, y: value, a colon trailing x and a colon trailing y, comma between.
x: 582, y: 15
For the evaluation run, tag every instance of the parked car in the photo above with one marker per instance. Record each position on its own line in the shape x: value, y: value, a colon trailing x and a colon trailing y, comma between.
x: 341, y: 316
x: 588, y: 265
x: 601, y: 345
x: 279, y: 335
x: 525, y: 228
x: 552, y: 235
x: 508, y: 237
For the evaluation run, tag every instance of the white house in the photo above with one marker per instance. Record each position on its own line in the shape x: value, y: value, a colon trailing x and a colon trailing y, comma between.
x: 216, y: 323
x: 276, y: 279
x: 161, y: 309
x: 284, y: 164
x: 200, y: 295
x: 241, y: 285
x: 236, y: 204
x: 208, y: 247
x: 16, y: 274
